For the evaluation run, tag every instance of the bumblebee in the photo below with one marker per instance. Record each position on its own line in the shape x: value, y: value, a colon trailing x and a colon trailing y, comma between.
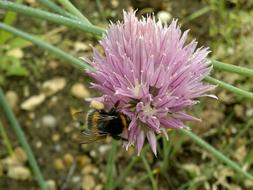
x: 99, y: 124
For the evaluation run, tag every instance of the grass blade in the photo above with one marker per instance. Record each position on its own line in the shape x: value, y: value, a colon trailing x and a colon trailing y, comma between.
x: 216, y: 153
x: 232, y: 68
x: 58, y: 52
x: 110, y: 166
x: 140, y: 180
x: 72, y: 9
x: 5, y: 139
x: 44, y: 15
x: 152, y: 179
x: 230, y: 87
x: 54, y: 7
x: 22, y: 139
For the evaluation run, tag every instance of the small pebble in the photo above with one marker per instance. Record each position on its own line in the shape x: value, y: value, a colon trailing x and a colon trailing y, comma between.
x: 20, y: 154
x: 98, y: 187
x: 76, y: 179
x: 67, y: 129
x: 239, y: 110
x: 49, y: 121
x: 57, y: 148
x: 17, y: 53
x: 224, y: 97
x: 89, y: 169
x: 88, y: 182
x: 53, y: 64
x: 249, y: 112
x: 103, y: 149
x: 58, y: 164
x: 164, y: 16
x: 114, y: 3
x: 83, y: 160
x: 19, y: 173
x: 79, y: 46
x: 51, y: 184
x: 102, y: 177
x: 53, y: 86
x: 93, y: 153
x: 68, y: 159
x: 74, y: 136
x: 31, y: 115
x: 240, y: 153
x: 56, y: 137
x: 12, y: 99
x: 10, y: 162
x: 38, y: 144
x: 84, y: 146
x: 248, y: 183
x: 33, y: 102
x: 80, y: 91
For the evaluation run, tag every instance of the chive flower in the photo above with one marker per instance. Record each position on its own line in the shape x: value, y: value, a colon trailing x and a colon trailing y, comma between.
x: 153, y: 72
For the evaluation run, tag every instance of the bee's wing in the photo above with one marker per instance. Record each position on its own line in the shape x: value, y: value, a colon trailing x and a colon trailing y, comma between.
x: 81, y: 116
x: 105, y: 117
x: 90, y: 136
x: 88, y: 132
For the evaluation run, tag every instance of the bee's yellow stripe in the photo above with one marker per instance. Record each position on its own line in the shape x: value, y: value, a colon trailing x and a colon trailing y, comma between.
x: 123, y: 120
x: 94, y: 120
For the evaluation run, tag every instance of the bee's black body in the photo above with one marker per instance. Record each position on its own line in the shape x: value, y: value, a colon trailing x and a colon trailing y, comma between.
x: 111, y: 123
x: 100, y: 123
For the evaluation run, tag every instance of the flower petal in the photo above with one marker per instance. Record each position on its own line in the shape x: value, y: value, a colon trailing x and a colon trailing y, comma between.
x: 140, y: 142
x: 152, y: 141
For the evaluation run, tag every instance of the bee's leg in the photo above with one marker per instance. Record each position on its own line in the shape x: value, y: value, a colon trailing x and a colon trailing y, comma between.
x: 117, y: 137
x: 113, y: 110
x: 85, y: 131
x: 124, y: 139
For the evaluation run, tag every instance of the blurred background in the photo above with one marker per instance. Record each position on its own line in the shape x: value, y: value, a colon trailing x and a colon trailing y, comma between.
x: 43, y: 91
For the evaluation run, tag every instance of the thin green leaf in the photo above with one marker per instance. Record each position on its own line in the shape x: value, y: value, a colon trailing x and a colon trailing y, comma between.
x: 72, y: 9
x: 232, y: 68
x: 22, y: 139
x: 149, y: 171
x: 6, y: 140
x: 44, y: 15
x: 111, y: 166
x: 216, y: 153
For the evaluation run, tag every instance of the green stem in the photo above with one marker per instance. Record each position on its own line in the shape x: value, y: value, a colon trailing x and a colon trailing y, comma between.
x: 22, y: 139
x: 44, y: 15
x: 232, y: 68
x: 101, y: 10
x: 140, y: 180
x: 197, y: 14
x: 126, y: 170
x: 230, y: 88
x: 149, y: 171
x: 166, y: 153
x: 58, y: 52
x: 110, y: 166
x: 216, y: 153
x: 72, y: 9
x: 6, y: 139
x: 56, y: 8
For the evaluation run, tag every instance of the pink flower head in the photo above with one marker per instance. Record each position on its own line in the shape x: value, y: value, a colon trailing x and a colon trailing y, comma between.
x: 154, y: 74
